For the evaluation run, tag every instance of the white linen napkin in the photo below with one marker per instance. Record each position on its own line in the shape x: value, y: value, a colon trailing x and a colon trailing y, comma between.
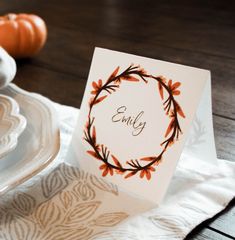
x: 63, y: 202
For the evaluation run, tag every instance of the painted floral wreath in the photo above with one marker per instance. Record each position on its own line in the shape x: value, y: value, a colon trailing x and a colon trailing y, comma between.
x: 111, y: 165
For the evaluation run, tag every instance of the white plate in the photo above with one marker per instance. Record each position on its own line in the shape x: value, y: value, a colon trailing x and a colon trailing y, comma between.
x: 12, y: 124
x: 38, y: 144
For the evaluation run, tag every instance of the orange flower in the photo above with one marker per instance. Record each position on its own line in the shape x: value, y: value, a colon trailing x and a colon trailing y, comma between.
x: 96, y: 87
x: 147, y: 172
x: 106, y: 169
x: 173, y: 87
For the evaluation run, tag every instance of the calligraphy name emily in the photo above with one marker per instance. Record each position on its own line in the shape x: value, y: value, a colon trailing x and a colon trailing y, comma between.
x: 132, y: 121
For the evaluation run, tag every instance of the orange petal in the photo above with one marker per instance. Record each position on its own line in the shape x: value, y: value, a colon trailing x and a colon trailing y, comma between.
x: 170, y: 83
x: 175, y: 85
x: 130, y: 174
x: 94, y: 85
x: 94, y: 134
x: 103, y: 166
x: 114, y: 73
x: 160, y: 88
x: 93, y: 92
x: 93, y: 154
x: 152, y: 169
x: 142, y: 173
x: 119, y: 171
x: 100, y: 83
x: 111, y: 171
x: 176, y: 92
x: 179, y: 110
x: 148, y: 174
x: 148, y: 159
x: 117, y: 163
x: 100, y: 99
x: 170, y: 127
x: 131, y: 79
x: 105, y: 172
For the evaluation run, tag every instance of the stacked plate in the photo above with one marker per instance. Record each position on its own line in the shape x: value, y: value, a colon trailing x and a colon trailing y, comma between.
x: 29, y: 135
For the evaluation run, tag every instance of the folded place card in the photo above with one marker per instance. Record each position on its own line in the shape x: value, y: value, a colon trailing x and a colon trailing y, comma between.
x: 135, y: 118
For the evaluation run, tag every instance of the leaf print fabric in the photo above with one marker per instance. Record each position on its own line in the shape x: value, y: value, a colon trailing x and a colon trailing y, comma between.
x: 71, y: 208
x: 107, y: 212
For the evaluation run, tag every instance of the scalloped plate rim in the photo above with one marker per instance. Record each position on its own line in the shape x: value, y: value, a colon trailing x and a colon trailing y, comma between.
x: 11, y: 114
x: 47, y: 152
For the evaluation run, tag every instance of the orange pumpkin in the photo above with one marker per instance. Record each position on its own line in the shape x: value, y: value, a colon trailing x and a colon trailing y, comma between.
x: 22, y: 35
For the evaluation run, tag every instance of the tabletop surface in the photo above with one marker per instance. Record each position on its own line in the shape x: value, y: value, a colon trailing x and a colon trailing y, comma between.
x: 195, y: 33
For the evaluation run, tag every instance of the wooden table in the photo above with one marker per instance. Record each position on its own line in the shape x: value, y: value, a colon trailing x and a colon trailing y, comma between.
x: 196, y: 33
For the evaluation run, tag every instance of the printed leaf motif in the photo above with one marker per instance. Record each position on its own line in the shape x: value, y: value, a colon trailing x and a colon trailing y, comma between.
x: 47, y: 214
x: 71, y: 172
x: 117, y: 235
x: 83, y: 190
x: 197, y: 135
x: 81, y: 212
x: 6, y: 219
x: 192, y: 208
x: 104, y: 185
x: 67, y: 233
x: 170, y: 223
x: 66, y: 199
x: 18, y: 228
x: 109, y: 219
x: 53, y: 183
x: 24, y: 203
x: 99, y: 99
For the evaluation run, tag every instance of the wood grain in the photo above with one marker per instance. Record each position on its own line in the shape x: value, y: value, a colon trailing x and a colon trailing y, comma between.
x: 60, y: 87
x: 192, y: 41
x: 208, y: 234
x: 224, y: 130
x: 225, y: 223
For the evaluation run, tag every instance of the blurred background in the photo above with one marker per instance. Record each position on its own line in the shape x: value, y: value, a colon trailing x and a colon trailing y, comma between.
x: 196, y: 33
